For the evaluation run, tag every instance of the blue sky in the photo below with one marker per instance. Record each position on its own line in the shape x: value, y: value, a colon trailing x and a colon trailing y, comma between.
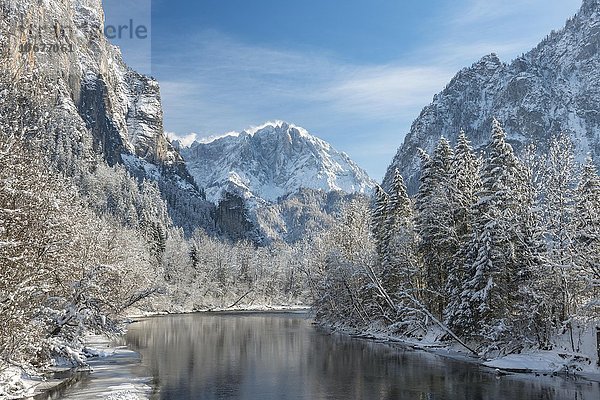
x: 355, y: 73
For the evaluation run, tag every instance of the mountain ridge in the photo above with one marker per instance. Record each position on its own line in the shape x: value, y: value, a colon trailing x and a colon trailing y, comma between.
x: 269, y: 162
x: 553, y: 88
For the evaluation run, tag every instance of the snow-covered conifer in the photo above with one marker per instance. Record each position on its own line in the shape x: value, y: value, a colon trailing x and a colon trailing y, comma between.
x: 503, y: 249
x: 435, y: 226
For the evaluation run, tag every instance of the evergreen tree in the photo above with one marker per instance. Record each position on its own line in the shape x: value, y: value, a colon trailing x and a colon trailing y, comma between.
x: 401, y: 279
x: 558, y: 172
x: 587, y: 240
x: 503, y: 250
x: 464, y: 183
x: 398, y: 228
x: 379, y: 218
x: 435, y: 226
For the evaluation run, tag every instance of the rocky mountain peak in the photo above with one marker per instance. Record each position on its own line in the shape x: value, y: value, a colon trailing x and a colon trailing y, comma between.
x: 590, y: 7
x: 270, y: 161
x: 489, y: 62
x: 554, y: 88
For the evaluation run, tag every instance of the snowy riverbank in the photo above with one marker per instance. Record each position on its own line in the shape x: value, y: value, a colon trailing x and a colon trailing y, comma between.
x: 252, y: 307
x: 108, y: 375
x: 561, y: 361
x: 112, y: 373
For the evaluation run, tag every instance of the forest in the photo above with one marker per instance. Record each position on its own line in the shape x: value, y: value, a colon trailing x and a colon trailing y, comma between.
x: 496, y: 251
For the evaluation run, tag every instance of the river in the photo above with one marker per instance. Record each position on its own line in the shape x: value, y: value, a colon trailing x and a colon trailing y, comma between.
x: 267, y: 356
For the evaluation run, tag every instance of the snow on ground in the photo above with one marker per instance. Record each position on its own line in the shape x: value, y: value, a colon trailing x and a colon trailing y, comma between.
x: 127, y: 395
x: 573, y: 352
x: 14, y: 383
x: 136, y: 313
x: 539, y: 361
x: 561, y: 360
x: 262, y: 307
x: 113, y: 375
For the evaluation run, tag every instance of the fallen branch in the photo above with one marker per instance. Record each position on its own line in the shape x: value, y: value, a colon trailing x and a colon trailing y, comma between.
x: 420, y: 306
x: 241, y: 298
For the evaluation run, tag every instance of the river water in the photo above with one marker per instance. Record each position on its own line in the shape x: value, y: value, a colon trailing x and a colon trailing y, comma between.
x: 267, y: 356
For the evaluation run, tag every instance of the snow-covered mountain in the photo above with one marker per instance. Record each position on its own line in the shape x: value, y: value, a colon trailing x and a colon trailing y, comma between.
x: 113, y: 112
x: 274, y: 160
x: 553, y: 88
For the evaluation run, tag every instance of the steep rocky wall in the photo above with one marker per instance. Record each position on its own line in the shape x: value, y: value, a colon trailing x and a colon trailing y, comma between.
x: 121, y: 108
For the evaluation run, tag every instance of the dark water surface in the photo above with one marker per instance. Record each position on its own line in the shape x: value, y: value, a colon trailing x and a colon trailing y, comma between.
x: 268, y: 356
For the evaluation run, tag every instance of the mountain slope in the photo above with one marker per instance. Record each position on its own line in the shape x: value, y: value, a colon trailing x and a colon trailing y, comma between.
x: 272, y: 161
x: 113, y: 112
x: 553, y: 88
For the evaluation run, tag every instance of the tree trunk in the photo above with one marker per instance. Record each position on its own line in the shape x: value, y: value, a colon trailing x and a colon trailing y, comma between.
x: 598, y: 343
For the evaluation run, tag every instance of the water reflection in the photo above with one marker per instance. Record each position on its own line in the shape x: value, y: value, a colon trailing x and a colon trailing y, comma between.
x: 281, y: 356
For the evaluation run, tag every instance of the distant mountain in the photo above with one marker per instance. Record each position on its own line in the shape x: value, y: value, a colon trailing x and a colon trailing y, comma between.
x: 553, y: 88
x: 270, y: 162
x: 274, y: 182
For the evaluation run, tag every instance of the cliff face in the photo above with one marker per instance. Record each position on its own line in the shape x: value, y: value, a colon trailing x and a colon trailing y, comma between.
x: 99, y: 108
x: 553, y: 88
x: 120, y: 108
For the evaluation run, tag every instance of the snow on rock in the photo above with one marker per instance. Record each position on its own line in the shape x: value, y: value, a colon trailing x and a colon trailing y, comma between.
x: 552, y: 89
x: 270, y: 161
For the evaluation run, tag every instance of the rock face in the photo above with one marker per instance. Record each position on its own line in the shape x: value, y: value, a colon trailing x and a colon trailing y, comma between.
x: 120, y: 108
x: 551, y: 89
x: 270, y: 162
x: 115, y: 112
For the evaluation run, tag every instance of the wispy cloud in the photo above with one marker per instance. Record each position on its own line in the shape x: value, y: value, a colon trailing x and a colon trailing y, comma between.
x: 384, y: 91
x: 489, y: 11
x: 231, y: 79
x: 505, y: 27
x: 477, y: 11
x: 217, y: 83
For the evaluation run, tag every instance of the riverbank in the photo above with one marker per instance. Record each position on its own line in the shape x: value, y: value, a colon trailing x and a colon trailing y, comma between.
x: 559, y: 362
x: 107, y: 376
x: 274, y: 355
x: 256, y: 308
x: 18, y: 384
x: 115, y: 373
x: 115, y: 377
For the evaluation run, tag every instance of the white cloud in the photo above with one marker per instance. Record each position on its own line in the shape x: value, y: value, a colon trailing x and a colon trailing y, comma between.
x: 385, y: 91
